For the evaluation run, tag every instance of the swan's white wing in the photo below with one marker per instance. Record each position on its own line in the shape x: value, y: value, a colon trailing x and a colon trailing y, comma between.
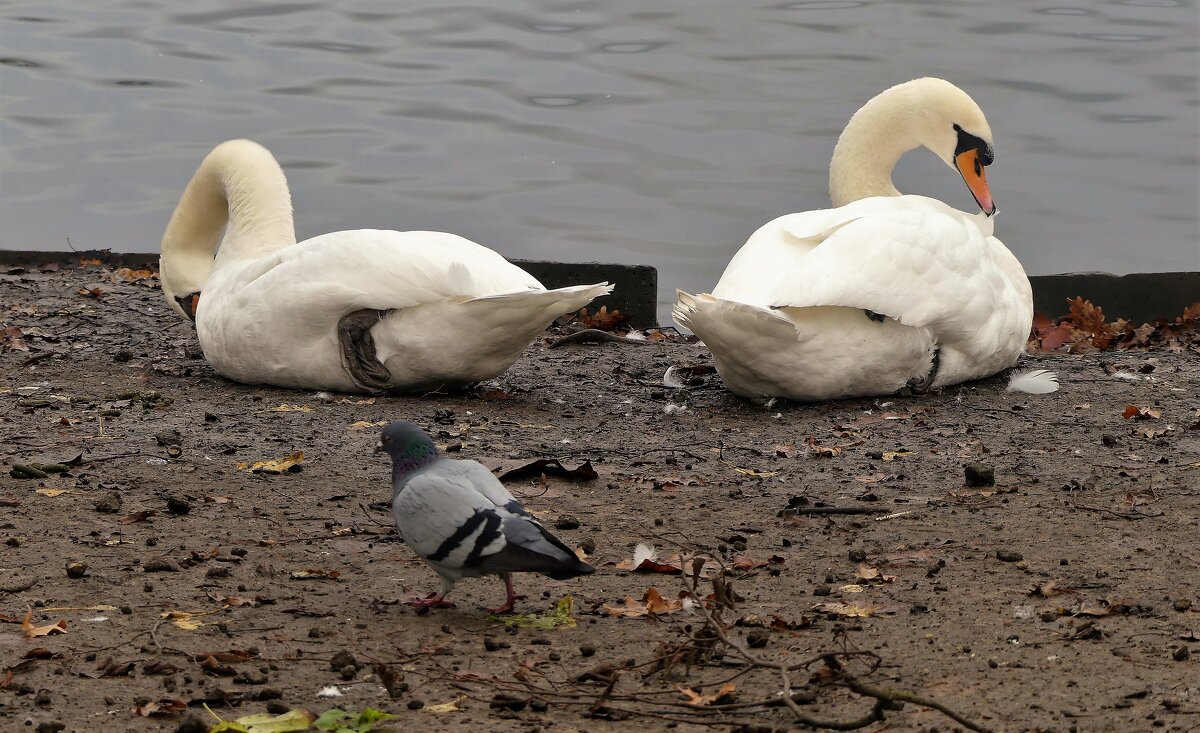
x: 913, y: 259
x: 385, y: 269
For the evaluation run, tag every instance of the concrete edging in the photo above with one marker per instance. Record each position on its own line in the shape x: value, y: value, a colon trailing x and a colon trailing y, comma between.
x: 1139, y: 297
x: 635, y: 294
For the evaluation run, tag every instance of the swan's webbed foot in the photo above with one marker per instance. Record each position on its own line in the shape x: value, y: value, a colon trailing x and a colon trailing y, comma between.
x: 922, y: 385
x: 358, y: 348
x: 877, y: 317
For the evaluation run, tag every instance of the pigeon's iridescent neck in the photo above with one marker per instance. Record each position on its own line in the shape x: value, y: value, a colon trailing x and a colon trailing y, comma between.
x: 415, y: 457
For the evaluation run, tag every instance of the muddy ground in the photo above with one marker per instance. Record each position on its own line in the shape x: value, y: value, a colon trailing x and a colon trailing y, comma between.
x: 1066, y: 597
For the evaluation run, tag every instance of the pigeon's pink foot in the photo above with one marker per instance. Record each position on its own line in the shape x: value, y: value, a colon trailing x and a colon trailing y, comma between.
x: 508, y: 605
x: 510, y: 598
x: 433, y: 600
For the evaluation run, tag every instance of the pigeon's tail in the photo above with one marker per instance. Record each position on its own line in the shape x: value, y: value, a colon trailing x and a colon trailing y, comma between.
x: 579, y: 568
x: 529, y: 548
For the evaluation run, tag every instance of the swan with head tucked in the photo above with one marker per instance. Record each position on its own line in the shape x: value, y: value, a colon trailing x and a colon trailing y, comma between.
x: 885, y: 290
x: 353, y: 311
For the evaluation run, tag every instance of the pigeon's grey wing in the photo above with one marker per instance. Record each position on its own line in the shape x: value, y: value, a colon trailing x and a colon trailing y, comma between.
x: 483, y: 481
x: 441, y: 516
x: 528, y: 547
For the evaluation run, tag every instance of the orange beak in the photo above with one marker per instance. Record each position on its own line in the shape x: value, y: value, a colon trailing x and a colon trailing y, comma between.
x: 188, y: 304
x: 971, y: 168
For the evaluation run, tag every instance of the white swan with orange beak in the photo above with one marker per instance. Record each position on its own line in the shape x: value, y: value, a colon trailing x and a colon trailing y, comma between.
x: 885, y: 290
x: 353, y: 311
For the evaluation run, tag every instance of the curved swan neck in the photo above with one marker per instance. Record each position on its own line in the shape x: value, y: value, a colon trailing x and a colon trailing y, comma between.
x: 239, y: 184
x: 873, y: 141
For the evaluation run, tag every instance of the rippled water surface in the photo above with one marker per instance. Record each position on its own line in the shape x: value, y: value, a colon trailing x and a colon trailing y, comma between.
x: 659, y: 132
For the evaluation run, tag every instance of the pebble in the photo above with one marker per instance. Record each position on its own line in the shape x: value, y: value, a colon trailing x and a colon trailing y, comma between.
x: 76, y: 569
x: 109, y: 503
x: 757, y: 638
x: 1009, y: 556
x: 275, y: 707
x: 416, y: 704
x: 1182, y: 605
x: 42, y: 697
x: 490, y: 643
x: 160, y: 565
x: 1181, y: 654
x: 343, y: 659
x: 822, y: 590
x: 587, y: 650
x: 978, y: 474
x: 566, y: 522
x: 192, y: 725
x: 178, y: 505
x: 858, y: 555
x: 505, y: 701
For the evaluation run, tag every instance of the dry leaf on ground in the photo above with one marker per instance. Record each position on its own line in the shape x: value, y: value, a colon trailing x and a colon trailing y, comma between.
x: 31, y: 631
x: 725, y: 694
x: 290, y: 463
x: 651, y: 604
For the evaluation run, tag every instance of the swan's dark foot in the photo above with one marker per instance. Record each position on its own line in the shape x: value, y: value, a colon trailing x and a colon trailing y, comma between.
x: 877, y: 317
x: 923, y: 384
x: 358, y: 348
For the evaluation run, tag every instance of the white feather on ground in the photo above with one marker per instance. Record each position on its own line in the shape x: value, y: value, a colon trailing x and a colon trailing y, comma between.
x: 642, y: 553
x: 670, y: 380
x: 1034, y: 381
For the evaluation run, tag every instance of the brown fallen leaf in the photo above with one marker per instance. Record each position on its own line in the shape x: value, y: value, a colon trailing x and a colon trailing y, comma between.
x: 315, y: 574
x: 603, y: 319
x: 745, y: 563
x: 287, y: 464
x: 96, y: 292
x: 214, y: 666
x: 723, y: 695
x: 821, y: 451
x: 138, y: 516
x: 551, y: 467
x: 230, y: 656
x: 1141, y: 413
x: 10, y: 338
x: 866, y: 572
x: 160, y: 708
x: 852, y: 610
x: 31, y: 631
x: 132, y: 276
x: 651, y: 604
x: 41, y: 653
x: 110, y: 668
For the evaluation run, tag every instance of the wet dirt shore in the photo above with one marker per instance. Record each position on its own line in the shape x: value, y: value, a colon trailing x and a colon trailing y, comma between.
x: 1030, y: 562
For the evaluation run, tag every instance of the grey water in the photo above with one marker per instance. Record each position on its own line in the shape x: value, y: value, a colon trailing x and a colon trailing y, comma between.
x: 659, y: 132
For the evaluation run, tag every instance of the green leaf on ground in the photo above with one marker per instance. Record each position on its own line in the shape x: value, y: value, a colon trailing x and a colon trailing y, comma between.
x: 559, y: 615
x: 337, y: 720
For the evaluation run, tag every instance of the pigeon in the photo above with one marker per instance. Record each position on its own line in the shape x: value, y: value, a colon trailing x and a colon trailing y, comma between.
x: 462, y: 521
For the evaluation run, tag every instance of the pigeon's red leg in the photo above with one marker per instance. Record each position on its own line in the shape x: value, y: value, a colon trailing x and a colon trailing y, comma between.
x: 434, y: 600
x: 511, y: 596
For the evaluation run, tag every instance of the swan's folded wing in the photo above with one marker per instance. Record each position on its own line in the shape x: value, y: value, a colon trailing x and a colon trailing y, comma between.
x: 917, y: 265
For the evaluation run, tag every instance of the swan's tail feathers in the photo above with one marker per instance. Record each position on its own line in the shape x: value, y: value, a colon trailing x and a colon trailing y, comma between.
x: 557, y: 301
x: 717, y: 322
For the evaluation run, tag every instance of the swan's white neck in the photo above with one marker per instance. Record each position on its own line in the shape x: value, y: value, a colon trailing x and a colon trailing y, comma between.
x: 874, y: 139
x: 239, y: 184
